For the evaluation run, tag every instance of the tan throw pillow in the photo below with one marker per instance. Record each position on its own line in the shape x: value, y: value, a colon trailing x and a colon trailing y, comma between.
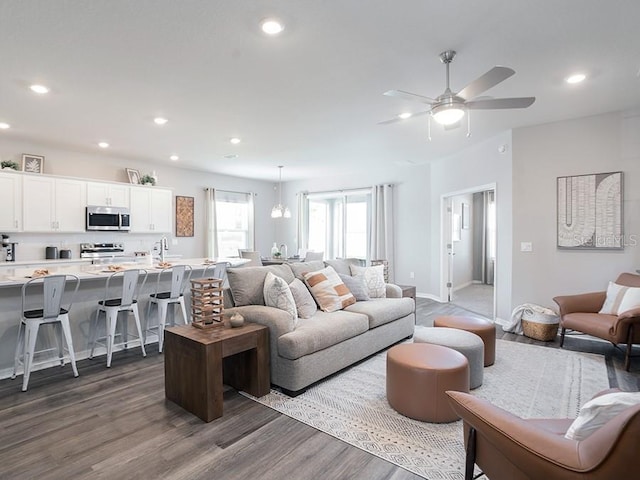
x: 305, y: 304
x: 278, y: 294
x: 373, y: 279
x: 620, y: 299
x: 328, y: 290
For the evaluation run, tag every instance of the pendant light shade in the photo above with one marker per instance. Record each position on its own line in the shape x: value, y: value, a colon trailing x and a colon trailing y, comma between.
x: 279, y: 211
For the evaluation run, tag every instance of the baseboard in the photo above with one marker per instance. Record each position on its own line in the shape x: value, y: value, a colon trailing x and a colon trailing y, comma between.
x: 430, y: 297
x: 460, y: 287
x: 501, y: 321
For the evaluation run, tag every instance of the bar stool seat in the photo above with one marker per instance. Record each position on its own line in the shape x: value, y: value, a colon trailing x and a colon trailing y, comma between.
x: 180, y: 275
x: 112, y: 307
x: 51, y: 313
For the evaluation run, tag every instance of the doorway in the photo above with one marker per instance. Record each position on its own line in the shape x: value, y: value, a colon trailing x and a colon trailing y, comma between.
x: 469, y: 249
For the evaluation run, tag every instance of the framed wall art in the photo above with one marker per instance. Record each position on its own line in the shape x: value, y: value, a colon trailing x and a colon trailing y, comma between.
x: 134, y: 176
x: 32, y: 163
x: 184, y: 216
x: 590, y: 211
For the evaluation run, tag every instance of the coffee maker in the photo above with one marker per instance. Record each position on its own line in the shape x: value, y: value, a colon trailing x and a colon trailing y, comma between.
x: 8, y: 249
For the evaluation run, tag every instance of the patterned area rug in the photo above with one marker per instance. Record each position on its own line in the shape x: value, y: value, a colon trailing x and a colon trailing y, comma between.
x: 528, y: 380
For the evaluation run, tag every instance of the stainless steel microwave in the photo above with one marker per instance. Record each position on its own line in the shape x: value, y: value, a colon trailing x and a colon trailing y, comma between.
x: 108, y: 218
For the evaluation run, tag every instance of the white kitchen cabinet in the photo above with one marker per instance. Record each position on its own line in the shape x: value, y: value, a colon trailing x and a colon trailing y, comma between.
x: 107, y: 194
x: 53, y: 204
x: 10, y: 202
x: 151, y: 209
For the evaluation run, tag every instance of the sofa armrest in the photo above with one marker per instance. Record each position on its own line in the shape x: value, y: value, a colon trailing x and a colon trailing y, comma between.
x: 278, y: 321
x: 393, y: 291
x: 584, y: 303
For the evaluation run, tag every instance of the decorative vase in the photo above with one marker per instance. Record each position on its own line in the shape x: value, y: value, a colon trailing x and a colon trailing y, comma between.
x: 274, y: 250
x: 236, y: 320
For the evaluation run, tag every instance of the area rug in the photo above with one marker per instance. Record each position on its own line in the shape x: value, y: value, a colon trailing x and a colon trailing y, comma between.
x: 527, y: 380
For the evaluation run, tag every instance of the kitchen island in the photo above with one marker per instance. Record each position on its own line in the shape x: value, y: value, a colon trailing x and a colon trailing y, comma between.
x: 92, y: 288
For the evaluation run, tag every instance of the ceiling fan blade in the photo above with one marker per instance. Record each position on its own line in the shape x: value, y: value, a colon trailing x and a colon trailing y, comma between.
x: 498, y: 103
x: 409, y: 96
x: 398, y: 119
x: 485, y: 82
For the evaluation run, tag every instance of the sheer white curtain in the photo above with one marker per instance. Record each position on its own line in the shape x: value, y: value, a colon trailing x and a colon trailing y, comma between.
x: 381, y: 243
x: 211, y: 230
x: 302, y: 222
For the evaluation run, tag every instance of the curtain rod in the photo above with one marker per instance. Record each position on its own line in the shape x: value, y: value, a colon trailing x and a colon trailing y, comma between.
x: 342, y: 190
x: 230, y: 191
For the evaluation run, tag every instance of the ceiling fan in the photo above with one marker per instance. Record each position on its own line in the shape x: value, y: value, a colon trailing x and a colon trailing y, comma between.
x: 449, y: 108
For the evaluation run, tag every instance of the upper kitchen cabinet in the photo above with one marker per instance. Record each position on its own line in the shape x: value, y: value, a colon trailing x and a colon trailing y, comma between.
x: 53, y: 204
x: 107, y: 194
x: 151, y: 209
x: 10, y: 202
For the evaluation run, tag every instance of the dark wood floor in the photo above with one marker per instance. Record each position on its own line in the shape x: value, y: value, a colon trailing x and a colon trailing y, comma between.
x: 115, y: 423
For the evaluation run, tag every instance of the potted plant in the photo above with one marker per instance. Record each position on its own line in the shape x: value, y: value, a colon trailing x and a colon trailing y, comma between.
x: 147, y: 180
x: 9, y: 165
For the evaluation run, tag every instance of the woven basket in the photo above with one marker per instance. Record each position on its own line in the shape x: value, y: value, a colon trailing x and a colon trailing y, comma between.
x: 539, y: 326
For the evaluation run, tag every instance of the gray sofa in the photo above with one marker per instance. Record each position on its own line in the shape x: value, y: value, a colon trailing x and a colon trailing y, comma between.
x: 307, y: 350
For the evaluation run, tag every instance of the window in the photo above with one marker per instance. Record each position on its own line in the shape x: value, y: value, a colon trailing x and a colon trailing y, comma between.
x: 338, y: 223
x: 234, y: 222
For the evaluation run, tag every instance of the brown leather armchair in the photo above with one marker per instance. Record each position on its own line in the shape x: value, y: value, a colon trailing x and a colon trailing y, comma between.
x: 580, y: 312
x: 507, y: 447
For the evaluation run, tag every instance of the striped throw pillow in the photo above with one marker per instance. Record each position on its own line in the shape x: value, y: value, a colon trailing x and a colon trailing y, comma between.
x: 328, y: 290
x: 620, y: 299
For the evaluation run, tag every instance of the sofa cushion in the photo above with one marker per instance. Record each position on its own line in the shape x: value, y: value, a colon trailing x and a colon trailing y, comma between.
x: 300, y: 268
x: 341, y: 265
x: 321, y: 331
x: 246, y: 283
x: 598, y: 411
x: 305, y: 304
x: 620, y: 298
x: 356, y: 286
x: 328, y: 290
x: 278, y: 294
x: 373, y: 279
x: 383, y: 310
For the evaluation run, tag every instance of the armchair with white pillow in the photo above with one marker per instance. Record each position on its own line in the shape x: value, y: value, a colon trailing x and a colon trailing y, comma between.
x: 613, y: 315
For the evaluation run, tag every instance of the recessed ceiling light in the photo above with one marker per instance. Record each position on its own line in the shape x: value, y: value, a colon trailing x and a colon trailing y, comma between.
x: 235, y: 140
x: 576, y: 78
x: 230, y: 156
x: 174, y: 157
x: 103, y: 145
x: 160, y: 120
x: 272, y: 26
x: 4, y: 125
x: 41, y: 89
x: 405, y: 115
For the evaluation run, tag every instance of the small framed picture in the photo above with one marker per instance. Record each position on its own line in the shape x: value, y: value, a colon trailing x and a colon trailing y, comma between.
x: 32, y: 163
x: 134, y: 176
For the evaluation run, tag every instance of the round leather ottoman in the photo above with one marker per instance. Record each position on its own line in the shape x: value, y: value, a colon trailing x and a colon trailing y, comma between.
x: 485, y: 329
x: 419, y: 374
x: 467, y: 343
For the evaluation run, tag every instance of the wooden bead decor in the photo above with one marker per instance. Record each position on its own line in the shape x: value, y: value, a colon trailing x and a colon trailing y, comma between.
x: 207, y: 305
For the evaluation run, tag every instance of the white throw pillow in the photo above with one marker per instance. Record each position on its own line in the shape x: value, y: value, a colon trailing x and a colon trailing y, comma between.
x: 620, y: 299
x: 373, y: 279
x: 305, y: 304
x: 278, y: 294
x: 598, y: 411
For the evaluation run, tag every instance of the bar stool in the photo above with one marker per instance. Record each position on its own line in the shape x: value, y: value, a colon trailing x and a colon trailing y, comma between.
x: 180, y: 275
x: 127, y: 302
x: 53, y: 313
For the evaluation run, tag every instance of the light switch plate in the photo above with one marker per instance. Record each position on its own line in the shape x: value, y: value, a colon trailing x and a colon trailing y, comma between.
x: 526, y: 247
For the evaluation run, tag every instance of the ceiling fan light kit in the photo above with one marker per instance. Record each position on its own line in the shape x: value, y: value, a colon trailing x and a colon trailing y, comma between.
x: 449, y: 108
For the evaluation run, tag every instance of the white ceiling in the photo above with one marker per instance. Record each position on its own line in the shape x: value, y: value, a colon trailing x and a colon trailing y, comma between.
x: 311, y: 98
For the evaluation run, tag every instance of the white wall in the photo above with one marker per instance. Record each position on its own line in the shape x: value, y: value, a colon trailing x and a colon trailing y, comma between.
x: 603, y: 143
x: 100, y: 166
x: 411, y: 212
x: 479, y: 165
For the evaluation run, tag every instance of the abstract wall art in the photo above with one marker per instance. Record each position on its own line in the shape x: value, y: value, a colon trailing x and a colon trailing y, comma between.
x: 590, y: 211
x: 184, y: 216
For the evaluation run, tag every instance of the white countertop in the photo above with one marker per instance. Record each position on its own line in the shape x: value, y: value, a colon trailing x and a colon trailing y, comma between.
x: 21, y: 272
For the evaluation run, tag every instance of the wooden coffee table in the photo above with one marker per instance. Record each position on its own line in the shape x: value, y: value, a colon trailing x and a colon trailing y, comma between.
x: 197, y: 362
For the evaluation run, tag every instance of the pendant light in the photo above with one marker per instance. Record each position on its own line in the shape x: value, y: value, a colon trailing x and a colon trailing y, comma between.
x: 278, y: 211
